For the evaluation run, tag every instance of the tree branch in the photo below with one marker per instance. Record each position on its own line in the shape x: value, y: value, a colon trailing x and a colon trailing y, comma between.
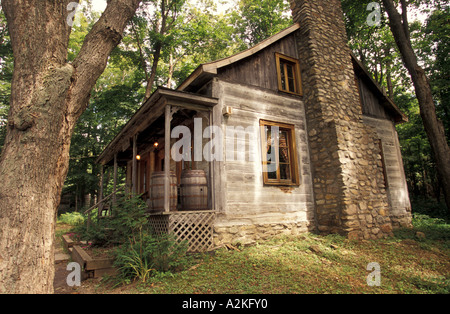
x: 401, y: 38
x: 405, y: 20
x: 98, y: 45
x: 141, y: 54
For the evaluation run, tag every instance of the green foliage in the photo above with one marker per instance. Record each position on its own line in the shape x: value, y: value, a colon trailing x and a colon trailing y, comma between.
x: 146, y: 255
x: 434, y: 228
x: 436, y: 231
x: 431, y: 208
x: 436, y: 53
x: 420, y: 168
x: 432, y: 45
x: 73, y: 218
x: 255, y: 20
x: 113, y: 101
x: 373, y: 45
x: 133, y: 264
x: 129, y: 219
x: 95, y: 231
x: 6, y: 69
x: 139, y: 254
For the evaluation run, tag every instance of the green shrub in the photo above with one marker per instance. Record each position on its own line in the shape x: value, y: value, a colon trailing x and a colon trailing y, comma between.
x: 96, y: 232
x: 146, y: 255
x: 133, y: 264
x: 73, y: 218
x: 129, y: 218
x: 430, y: 207
x: 139, y: 254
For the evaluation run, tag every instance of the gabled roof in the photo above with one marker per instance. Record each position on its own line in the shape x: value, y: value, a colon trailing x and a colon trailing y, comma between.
x: 207, y: 70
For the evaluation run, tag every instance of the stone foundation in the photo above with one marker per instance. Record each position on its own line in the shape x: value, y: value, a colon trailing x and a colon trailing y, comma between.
x: 248, y: 234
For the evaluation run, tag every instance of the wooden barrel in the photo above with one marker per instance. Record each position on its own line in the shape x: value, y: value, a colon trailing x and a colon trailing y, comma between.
x: 194, y: 190
x: 157, y: 191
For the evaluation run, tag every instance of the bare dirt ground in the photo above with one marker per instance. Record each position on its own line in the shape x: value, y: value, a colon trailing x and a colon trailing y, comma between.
x: 62, y: 259
x: 60, y: 285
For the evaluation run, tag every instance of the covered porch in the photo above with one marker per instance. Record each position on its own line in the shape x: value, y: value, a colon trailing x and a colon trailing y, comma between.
x: 161, y: 148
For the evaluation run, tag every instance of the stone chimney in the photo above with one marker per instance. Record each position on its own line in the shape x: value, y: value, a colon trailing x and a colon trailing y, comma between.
x: 349, y: 186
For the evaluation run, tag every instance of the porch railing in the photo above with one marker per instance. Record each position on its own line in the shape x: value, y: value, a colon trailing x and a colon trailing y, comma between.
x: 103, y: 205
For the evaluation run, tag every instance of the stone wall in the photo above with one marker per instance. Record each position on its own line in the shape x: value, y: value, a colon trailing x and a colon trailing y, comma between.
x: 248, y: 234
x: 397, y: 189
x: 349, y: 192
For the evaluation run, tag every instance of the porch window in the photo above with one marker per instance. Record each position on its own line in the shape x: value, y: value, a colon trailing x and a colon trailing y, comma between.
x: 279, y: 156
x: 288, y: 73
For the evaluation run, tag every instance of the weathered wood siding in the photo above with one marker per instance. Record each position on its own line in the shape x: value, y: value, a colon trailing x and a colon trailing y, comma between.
x: 395, y: 176
x: 370, y: 103
x: 241, y: 196
x: 260, y: 70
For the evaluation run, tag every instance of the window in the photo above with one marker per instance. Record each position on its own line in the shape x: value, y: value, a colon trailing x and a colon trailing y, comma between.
x: 288, y: 72
x: 279, y: 156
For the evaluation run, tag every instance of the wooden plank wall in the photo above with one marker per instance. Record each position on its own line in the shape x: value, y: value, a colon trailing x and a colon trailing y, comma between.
x: 260, y: 69
x: 370, y: 102
x: 395, y: 176
x: 241, y: 194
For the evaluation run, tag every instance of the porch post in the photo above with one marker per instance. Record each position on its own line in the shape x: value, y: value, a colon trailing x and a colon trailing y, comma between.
x: 100, y: 192
x: 115, y: 180
x: 211, y: 201
x: 168, y: 117
x: 134, y: 167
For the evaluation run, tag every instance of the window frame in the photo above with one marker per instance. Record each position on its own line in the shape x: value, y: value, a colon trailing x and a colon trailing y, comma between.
x: 280, y: 58
x: 293, y: 157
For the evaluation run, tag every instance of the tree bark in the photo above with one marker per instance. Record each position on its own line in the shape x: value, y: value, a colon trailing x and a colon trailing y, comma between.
x: 161, y: 28
x: 433, y: 126
x: 48, y: 95
x: 151, y: 80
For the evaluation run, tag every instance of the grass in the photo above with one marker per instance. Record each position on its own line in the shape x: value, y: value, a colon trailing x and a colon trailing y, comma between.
x: 287, y: 265
x: 313, y: 264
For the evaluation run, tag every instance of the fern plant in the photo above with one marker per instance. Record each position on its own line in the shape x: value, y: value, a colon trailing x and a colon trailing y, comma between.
x: 147, y: 254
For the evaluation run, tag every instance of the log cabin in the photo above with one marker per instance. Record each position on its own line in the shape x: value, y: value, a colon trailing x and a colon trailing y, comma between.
x: 290, y: 136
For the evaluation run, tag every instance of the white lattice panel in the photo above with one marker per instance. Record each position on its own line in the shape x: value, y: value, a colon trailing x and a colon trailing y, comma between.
x: 195, y: 226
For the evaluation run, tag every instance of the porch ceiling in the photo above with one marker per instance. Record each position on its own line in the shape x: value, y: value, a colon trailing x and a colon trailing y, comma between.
x: 149, y: 113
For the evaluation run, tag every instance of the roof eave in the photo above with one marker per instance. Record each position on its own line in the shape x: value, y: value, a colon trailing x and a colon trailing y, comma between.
x: 136, y: 122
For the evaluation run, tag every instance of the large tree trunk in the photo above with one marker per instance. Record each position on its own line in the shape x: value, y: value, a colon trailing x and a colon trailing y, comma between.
x: 433, y: 126
x: 48, y: 96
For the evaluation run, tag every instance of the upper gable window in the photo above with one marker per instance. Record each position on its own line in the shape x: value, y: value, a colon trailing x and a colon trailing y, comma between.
x: 288, y: 73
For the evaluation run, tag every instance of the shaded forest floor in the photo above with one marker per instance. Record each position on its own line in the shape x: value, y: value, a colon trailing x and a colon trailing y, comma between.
x: 410, y: 262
